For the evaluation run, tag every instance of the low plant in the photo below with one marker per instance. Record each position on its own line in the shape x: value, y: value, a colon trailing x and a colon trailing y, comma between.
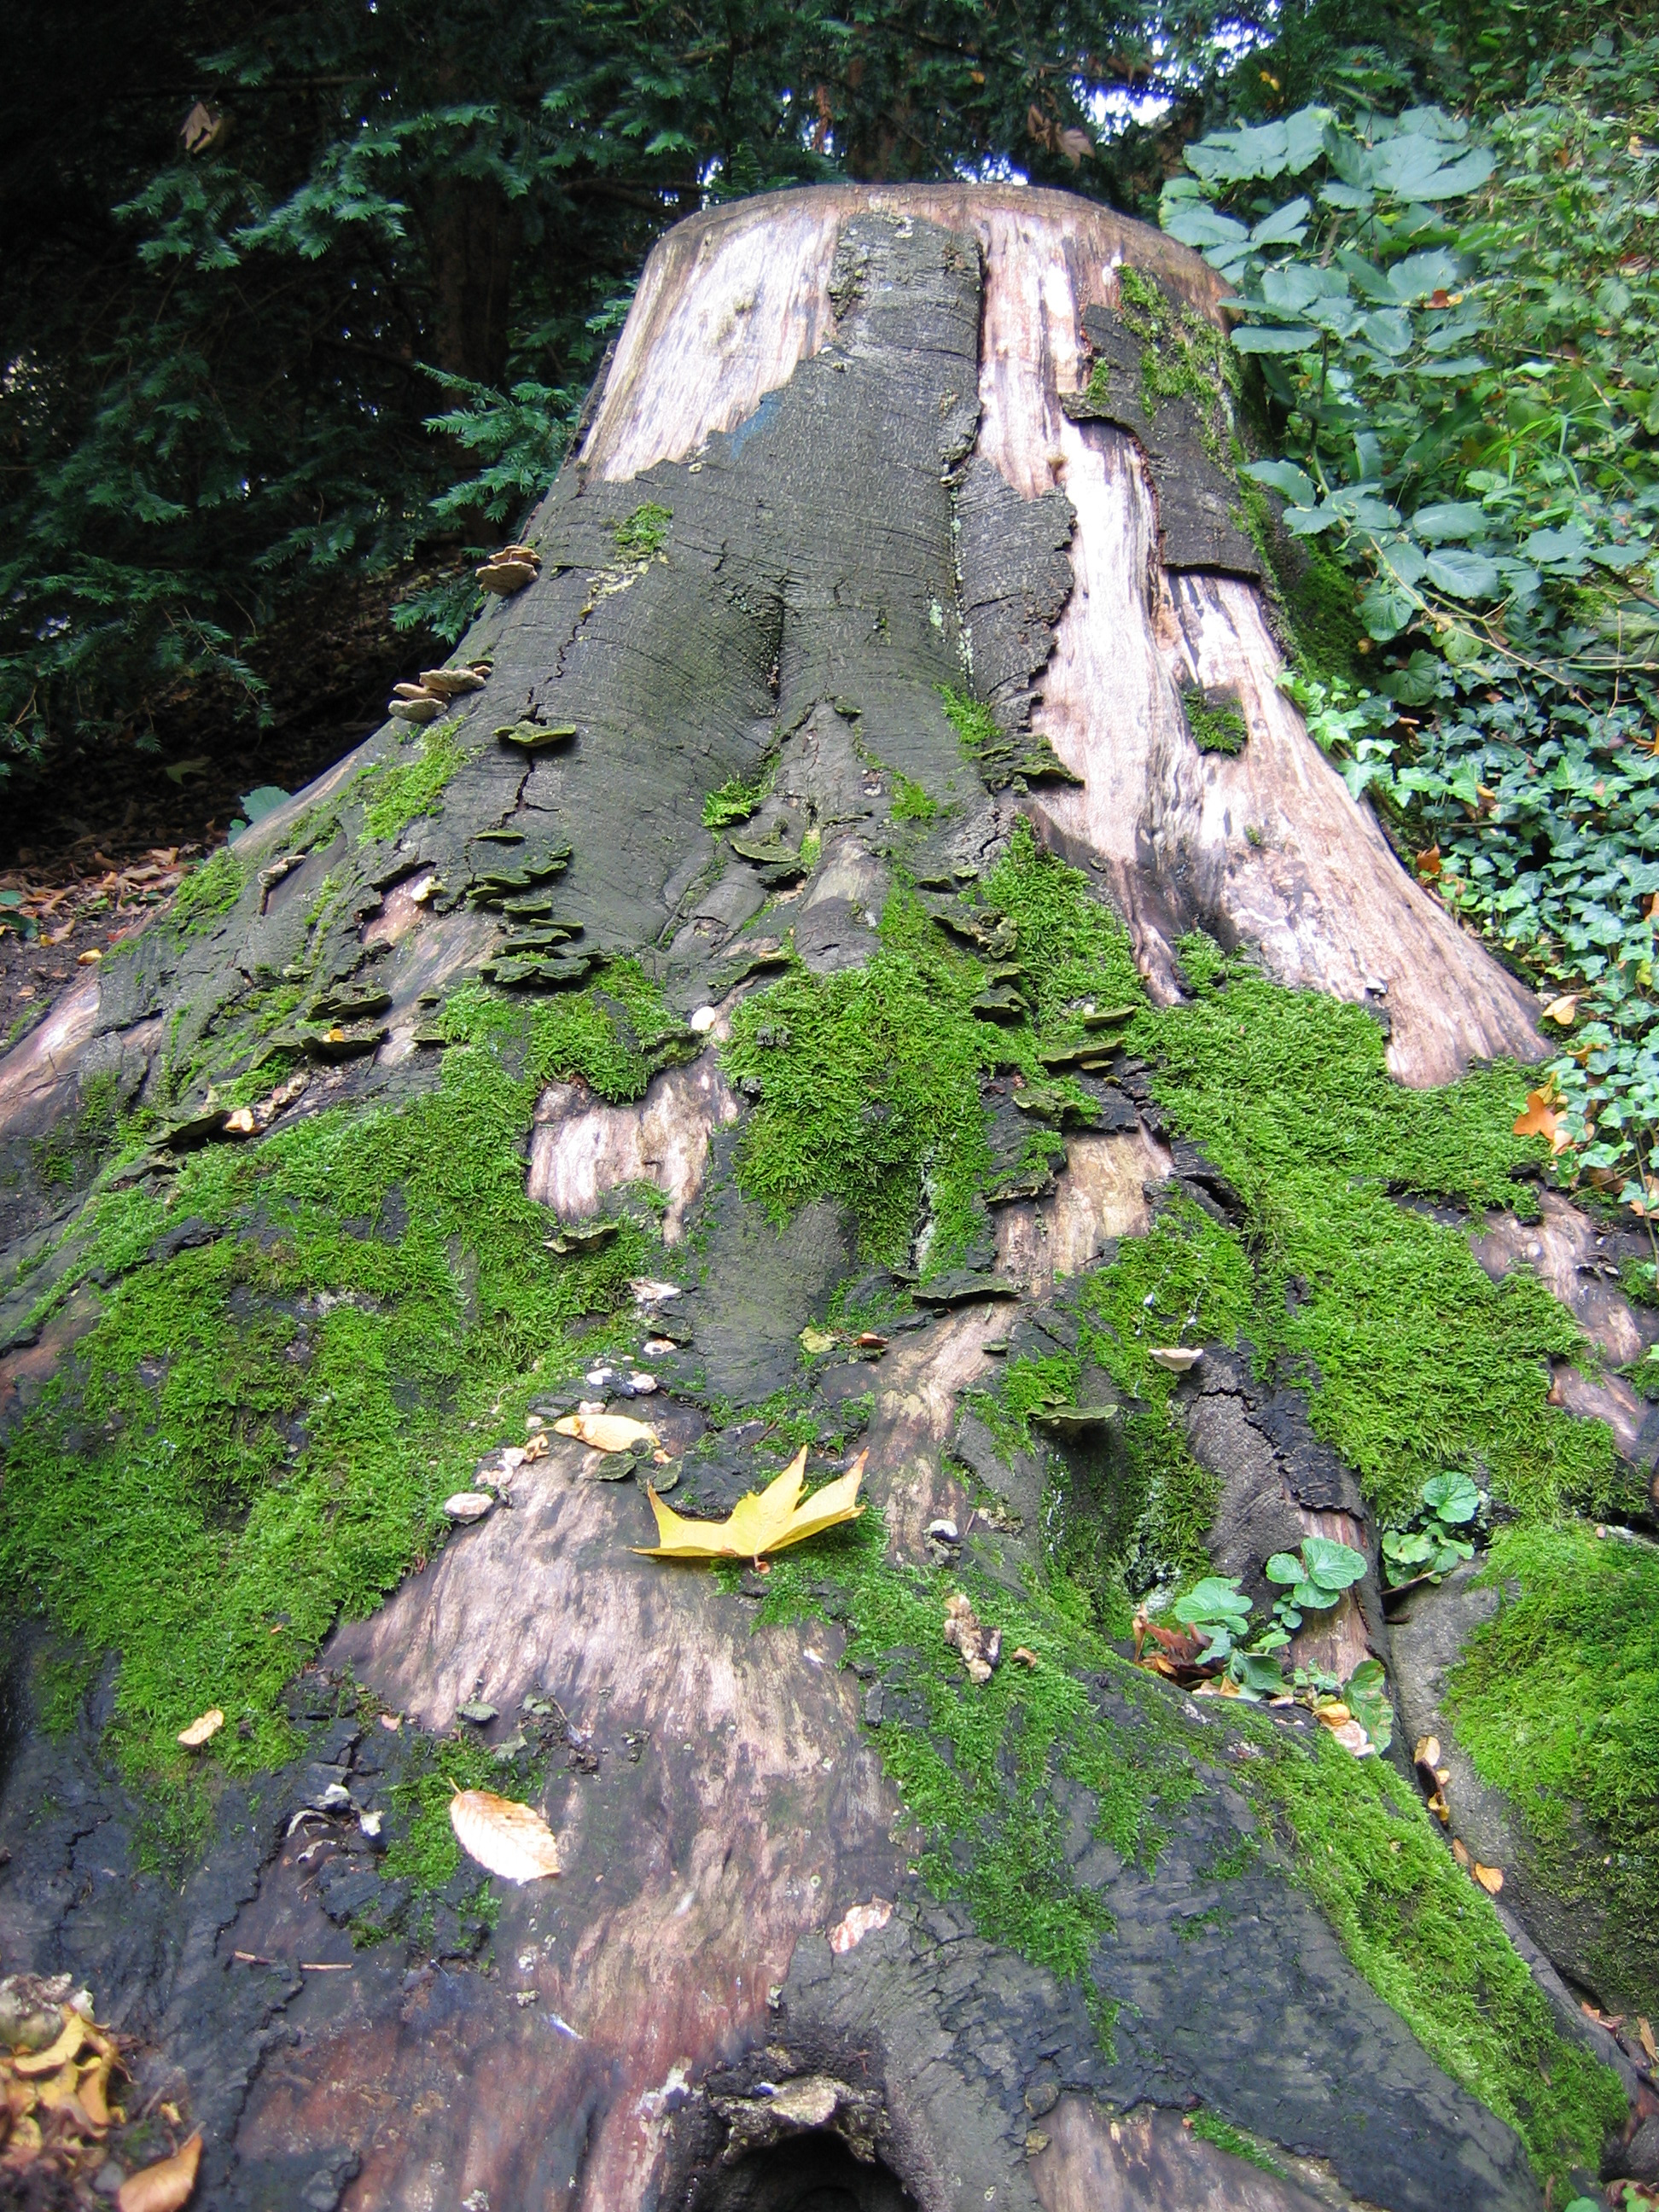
x: 1432, y: 1542
x: 1312, y: 1578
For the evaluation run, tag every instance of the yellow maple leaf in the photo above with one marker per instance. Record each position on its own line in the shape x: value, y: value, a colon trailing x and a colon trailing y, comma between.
x: 765, y: 1521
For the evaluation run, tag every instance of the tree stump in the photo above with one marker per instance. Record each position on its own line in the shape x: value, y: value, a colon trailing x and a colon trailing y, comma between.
x: 884, y: 553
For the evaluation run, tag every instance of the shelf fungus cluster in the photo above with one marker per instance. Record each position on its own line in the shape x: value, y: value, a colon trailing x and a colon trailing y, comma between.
x: 438, y: 687
x: 510, y: 569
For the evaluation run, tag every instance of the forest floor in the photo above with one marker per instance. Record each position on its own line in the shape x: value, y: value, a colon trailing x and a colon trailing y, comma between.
x: 96, y: 835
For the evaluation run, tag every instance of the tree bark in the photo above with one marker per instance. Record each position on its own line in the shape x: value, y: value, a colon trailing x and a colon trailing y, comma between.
x: 849, y: 405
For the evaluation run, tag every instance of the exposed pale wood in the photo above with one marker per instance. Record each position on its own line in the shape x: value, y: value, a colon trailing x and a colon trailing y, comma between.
x: 582, y: 1151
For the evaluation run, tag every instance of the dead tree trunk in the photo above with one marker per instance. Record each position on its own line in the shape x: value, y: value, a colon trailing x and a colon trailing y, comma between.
x: 851, y: 457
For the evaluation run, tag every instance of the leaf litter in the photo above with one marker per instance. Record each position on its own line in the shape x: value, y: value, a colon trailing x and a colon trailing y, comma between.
x: 765, y: 1521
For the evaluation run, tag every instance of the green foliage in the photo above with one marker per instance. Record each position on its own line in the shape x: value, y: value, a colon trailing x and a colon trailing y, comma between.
x: 1419, y: 1364
x: 1434, y: 1538
x: 1456, y: 330
x: 1556, y: 1700
x: 1431, y: 1945
x: 400, y: 791
x: 1313, y: 1578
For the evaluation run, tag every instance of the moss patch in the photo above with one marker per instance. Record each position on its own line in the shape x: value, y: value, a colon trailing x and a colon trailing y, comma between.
x: 1210, y: 2128
x: 400, y: 790
x: 1431, y: 1945
x: 1417, y: 1361
x: 258, y: 1434
x: 869, y: 1078
x: 645, y: 532
x: 208, y: 891
x: 976, y: 1768
x: 1220, y: 729
x: 1556, y: 1702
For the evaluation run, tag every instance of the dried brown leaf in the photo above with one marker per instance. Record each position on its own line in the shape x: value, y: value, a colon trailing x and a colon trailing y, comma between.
x: 606, y: 1432
x: 202, y: 1729
x: 165, y: 2186
x: 510, y: 1839
x: 1491, y: 1878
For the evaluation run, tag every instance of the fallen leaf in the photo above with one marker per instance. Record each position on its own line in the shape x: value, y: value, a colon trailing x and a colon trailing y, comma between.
x: 1333, y: 1712
x: 816, y: 1340
x: 1460, y: 1852
x: 94, y: 2102
x: 1645, y: 2034
x: 202, y: 1729
x: 606, y: 1432
x: 1427, y: 1753
x: 765, y: 1521
x: 1176, y: 1357
x: 980, y: 1648
x: 57, y: 2055
x: 241, y: 1123
x: 858, y: 1921
x: 1563, y: 1009
x: 1439, y: 1807
x: 165, y: 2186
x: 1491, y: 1878
x: 1540, y: 1121
x: 87, y: 959
x: 1353, y: 1738
x: 510, y: 1839
x: 1024, y: 1655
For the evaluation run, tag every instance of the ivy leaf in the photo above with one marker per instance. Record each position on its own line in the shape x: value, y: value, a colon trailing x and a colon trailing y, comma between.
x: 1421, y: 275
x: 1389, y: 330
x: 1215, y: 1598
x: 1386, y: 608
x: 1304, y: 138
x: 1557, y: 547
x: 1195, y: 222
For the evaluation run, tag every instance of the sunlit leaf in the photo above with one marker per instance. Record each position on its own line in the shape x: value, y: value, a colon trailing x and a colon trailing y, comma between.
x: 765, y: 1521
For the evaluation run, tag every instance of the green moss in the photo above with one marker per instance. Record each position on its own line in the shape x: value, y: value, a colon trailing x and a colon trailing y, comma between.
x: 1431, y: 1943
x: 70, y: 1151
x: 1556, y: 1702
x: 736, y: 801
x: 258, y: 1433
x: 400, y: 791
x: 1416, y: 1360
x: 869, y: 1083
x: 208, y: 891
x: 975, y: 724
x: 976, y: 1767
x: 645, y: 532
x: 869, y: 1079
x: 1210, y: 2128
x: 1214, y: 729
x: 1184, y: 356
x: 910, y: 802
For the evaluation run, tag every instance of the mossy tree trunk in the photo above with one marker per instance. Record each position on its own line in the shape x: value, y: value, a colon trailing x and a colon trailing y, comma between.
x: 743, y: 1011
